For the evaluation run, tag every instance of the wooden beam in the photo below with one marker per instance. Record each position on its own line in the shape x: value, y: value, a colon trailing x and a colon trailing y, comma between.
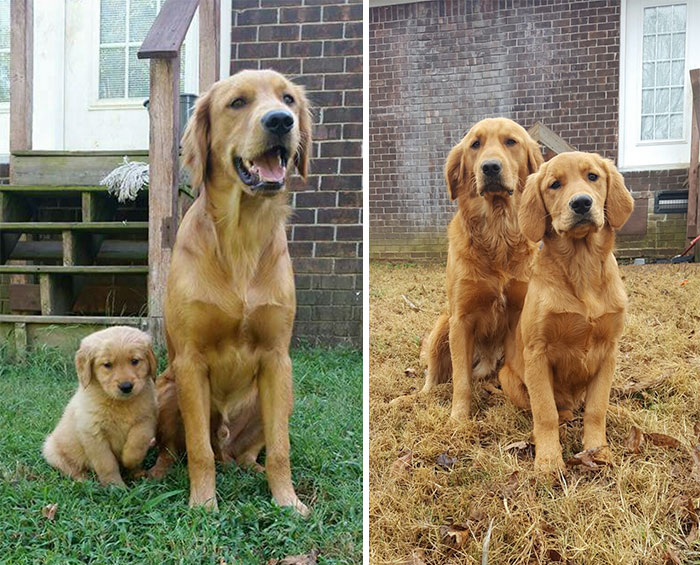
x: 692, y: 225
x: 21, y: 70
x: 162, y: 193
x: 168, y: 30
x: 209, y: 38
x: 542, y: 134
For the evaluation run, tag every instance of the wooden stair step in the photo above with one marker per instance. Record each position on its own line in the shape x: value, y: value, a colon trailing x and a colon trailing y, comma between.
x: 72, y: 320
x: 39, y: 190
x: 110, y: 250
x: 75, y: 269
x: 53, y: 227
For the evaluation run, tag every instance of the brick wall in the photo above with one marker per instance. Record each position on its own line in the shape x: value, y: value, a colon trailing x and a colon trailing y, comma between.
x: 438, y: 67
x: 318, y: 43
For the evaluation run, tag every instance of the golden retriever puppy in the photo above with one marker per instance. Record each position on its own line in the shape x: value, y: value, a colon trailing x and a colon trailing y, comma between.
x: 111, y: 419
x: 566, y: 340
x: 230, y: 300
x: 488, y: 259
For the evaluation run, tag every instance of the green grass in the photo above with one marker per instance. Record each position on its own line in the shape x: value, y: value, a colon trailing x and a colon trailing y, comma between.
x: 151, y: 522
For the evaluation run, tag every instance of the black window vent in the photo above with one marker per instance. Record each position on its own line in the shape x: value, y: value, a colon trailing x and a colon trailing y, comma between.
x: 671, y: 202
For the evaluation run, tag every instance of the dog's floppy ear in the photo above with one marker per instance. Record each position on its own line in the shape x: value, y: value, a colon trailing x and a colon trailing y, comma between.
x: 152, y: 361
x: 532, y: 215
x: 618, y: 201
x: 534, y: 156
x: 454, y: 171
x: 195, y: 141
x: 83, y: 364
x: 301, y: 159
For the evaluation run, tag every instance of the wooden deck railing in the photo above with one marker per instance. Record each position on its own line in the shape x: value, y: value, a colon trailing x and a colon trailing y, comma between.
x: 162, y: 47
x: 21, y: 64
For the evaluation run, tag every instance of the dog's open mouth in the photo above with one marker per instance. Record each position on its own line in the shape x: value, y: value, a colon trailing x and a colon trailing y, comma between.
x: 265, y: 173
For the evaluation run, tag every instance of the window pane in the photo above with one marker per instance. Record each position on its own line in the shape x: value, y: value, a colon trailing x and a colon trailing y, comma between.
x: 648, y: 127
x: 679, y: 17
x: 676, y: 100
x: 677, y: 68
x: 648, y: 74
x: 663, y: 74
x: 663, y: 47
x: 4, y: 24
x: 112, y: 21
x: 138, y: 75
x: 112, y: 72
x: 661, y: 127
x: 676, y: 126
x: 650, y: 20
x: 661, y: 106
x: 142, y: 13
x: 664, y: 21
x: 649, y: 48
x: 647, y: 101
x: 4, y: 77
x: 678, y: 49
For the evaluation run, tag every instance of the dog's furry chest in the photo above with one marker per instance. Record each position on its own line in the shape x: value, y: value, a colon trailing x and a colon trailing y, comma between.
x: 577, y: 345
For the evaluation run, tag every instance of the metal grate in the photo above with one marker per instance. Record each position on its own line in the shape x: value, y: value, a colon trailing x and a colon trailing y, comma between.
x: 671, y: 202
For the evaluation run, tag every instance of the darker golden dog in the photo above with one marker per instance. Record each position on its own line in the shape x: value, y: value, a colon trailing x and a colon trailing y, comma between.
x: 488, y: 258
x: 566, y: 340
x: 230, y: 300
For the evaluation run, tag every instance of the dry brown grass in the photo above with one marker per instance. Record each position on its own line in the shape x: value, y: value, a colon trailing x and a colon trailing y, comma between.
x: 640, y: 510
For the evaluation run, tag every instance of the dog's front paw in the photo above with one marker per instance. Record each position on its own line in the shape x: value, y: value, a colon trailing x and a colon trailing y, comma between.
x: 294, y: 502
x: 205, y: 501
x: 549, y: 461
x: 460, y: 414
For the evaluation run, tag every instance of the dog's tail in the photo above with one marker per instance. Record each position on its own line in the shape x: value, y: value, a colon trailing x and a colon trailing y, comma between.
x: 435, y: 353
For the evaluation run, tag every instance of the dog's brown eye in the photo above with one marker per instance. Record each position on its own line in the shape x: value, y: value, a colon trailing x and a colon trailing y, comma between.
x: 135, y: 362
x: 510, y: 142
x: 476, y: 144
x: 556, y: 184
x: 107, y: 365
x: 238, y: 103
x: 592, y: 177
x: 288, y: 99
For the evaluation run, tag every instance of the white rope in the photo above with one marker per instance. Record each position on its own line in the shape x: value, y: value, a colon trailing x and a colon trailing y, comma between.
x: 127, y: 180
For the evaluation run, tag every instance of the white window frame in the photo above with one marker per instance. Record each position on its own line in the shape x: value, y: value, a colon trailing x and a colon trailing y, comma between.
x: 633, y: 153
x: 191, y: 75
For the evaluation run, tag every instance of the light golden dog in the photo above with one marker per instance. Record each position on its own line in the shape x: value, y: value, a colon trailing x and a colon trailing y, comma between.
x: 111, y: 419
x: 566, y: 341
x: 488, y: 259
x: 230, y: 300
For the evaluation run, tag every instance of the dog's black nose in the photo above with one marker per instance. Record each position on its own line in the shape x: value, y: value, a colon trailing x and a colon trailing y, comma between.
x: 126, y: 387
x: 581, y: 203
x: 491, y: 168
x: 278, y: 122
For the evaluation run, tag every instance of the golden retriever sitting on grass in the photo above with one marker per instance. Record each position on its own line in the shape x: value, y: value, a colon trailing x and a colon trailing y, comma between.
x: 111, y: 419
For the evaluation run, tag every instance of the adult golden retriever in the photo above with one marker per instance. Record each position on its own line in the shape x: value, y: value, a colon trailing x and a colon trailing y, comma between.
x: 111, y: 419
x: 488, y: 258
x: 230, y: 300
x: 566, y: 340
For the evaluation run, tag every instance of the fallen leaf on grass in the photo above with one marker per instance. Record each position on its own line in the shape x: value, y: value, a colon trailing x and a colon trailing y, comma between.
x: 634, y: 440
x: 522, y: 449
x: 306, y: 559
x: 454, y: 535
x: 589, y: 459
x: 696, y: 430
x: 410, y: 372
x: 511, y: 485
x: 684, y: 282
x: 49, y: 511
x: 410, y: 303
x: 417, y: 558
x: 446, y: 461
x: 403, y: 463
x: 671, y: 557
x: 662, y: 440
x: 695, y: 452
x: 632, y: 387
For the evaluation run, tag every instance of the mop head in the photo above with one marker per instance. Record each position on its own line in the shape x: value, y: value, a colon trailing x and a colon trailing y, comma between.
x: 127, y: 180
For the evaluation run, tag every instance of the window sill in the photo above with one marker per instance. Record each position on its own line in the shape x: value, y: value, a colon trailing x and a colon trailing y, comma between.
x: 117, y: 104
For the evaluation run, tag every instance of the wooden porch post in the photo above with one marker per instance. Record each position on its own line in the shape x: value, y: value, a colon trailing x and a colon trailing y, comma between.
x: 21, y: 70
x: 209, y: 39
x: 693, y: 226
x: 163, y: 183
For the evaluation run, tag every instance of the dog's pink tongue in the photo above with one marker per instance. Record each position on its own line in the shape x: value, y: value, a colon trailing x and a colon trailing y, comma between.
x: 269, y: 167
